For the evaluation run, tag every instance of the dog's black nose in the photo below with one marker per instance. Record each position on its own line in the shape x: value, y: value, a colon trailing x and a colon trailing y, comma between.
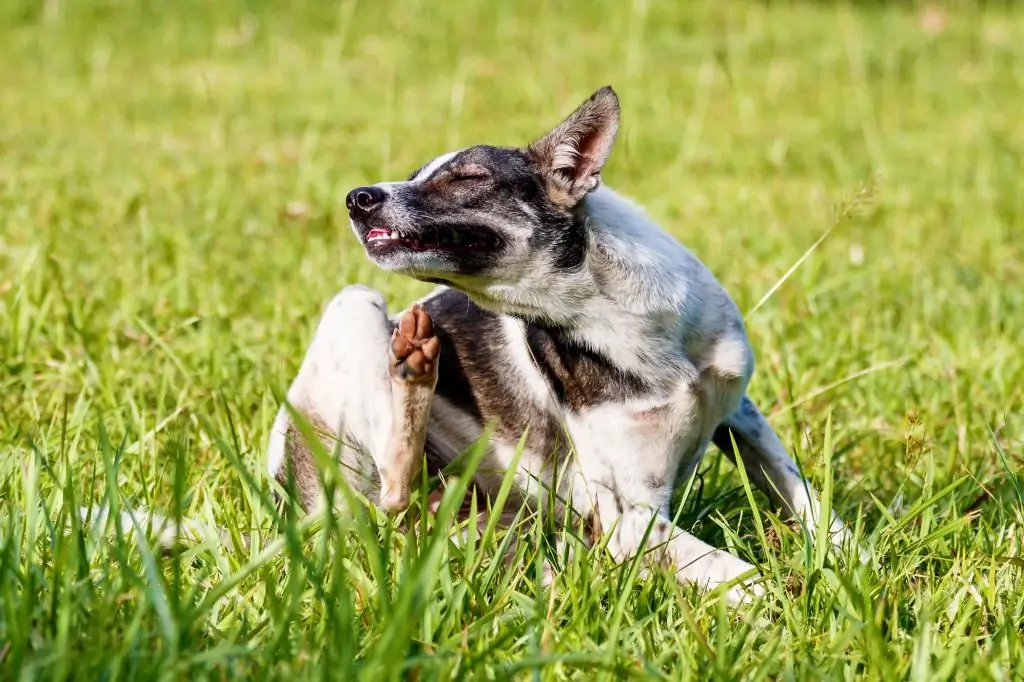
x: 362, y: 201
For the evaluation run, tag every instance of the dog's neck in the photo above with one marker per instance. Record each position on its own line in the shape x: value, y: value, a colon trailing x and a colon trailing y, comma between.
x: 630, y: 289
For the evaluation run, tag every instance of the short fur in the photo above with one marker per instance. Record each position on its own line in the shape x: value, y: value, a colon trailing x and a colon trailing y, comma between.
x: 563, y: 309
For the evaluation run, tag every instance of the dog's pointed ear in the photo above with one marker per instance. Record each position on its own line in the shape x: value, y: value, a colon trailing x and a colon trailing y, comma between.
x: 571, y: 156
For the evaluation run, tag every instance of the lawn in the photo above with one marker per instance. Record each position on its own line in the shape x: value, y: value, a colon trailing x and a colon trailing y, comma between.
x: 172, y: 179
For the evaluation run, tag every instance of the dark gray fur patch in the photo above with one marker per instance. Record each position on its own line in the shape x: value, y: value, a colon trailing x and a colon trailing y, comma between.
x: 444, y: 202
x: 580, y: 377
x: 514, y: 180
x: 474, y: 372
x: 721, y: 439
x: 654, y: 482
x: 745, y: 428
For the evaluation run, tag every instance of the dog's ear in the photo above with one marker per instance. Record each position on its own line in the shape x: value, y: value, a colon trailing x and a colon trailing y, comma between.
x: 571, y: 156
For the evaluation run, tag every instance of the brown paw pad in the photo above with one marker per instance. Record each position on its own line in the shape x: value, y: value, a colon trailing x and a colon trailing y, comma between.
x: 414, y: 348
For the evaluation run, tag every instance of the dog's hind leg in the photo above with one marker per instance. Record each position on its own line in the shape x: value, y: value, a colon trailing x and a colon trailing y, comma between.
x: 366, y: 384
x: 771, y: 468
x: 363, y: 375
x: 412, y: 369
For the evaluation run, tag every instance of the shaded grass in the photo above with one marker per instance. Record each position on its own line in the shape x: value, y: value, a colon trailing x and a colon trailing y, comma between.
x: 170, y: 226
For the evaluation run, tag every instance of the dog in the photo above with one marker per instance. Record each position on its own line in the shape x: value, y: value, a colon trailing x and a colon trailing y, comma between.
x: 562, y: 312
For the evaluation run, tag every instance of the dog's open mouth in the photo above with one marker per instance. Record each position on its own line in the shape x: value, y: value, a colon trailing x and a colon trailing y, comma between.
x: 462, y: 238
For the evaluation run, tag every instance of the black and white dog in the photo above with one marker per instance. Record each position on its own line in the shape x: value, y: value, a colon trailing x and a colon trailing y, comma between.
x: 563, y: 312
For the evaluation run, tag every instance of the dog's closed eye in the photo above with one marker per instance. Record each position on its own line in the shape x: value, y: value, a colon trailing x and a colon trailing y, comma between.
x: 470, y: 173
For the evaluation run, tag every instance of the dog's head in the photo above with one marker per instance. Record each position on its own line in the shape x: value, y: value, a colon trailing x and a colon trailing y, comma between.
x: 488, y: 215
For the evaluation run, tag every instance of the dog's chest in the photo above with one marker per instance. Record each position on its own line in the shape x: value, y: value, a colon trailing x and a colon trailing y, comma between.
x: 496, y: 370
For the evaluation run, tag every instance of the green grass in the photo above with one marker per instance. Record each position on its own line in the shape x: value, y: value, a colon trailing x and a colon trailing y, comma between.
x: 171, y: 223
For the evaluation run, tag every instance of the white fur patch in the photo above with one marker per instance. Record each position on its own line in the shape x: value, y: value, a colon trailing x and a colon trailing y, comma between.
x: 431, y: 167
x: 534, y: 388
x: 277, y: 445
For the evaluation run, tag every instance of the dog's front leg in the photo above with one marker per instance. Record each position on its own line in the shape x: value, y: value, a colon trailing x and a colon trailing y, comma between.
x: 692, y: 560
x: 629, y: 456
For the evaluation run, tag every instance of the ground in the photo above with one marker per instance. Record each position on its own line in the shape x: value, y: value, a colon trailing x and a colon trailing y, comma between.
x: 172, y: 180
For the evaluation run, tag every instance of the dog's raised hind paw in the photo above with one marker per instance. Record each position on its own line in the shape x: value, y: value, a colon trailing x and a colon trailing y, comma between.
x: 414, y: 348
x: 412, y: 363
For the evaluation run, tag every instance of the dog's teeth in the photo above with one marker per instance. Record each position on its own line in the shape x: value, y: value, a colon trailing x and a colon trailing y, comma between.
x: 380, y: 234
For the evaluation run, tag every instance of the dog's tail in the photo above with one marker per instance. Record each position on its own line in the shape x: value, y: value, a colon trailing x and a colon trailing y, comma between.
x: 166, y: 533
x: 771, y: 468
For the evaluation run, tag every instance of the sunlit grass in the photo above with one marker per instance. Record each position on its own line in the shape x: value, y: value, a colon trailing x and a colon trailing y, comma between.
x: 171, y: 224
